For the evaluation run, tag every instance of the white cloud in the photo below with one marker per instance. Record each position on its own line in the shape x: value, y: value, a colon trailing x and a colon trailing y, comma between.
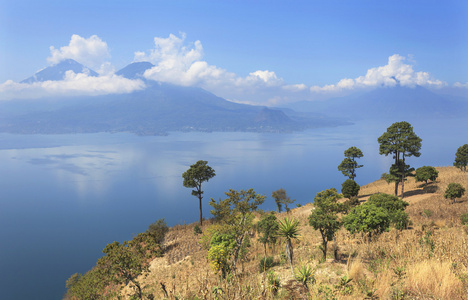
x: 72, y: 85
x: 395, y: 72
x: 91, y: 52
x: 181, y: 63
x: 460, y: 85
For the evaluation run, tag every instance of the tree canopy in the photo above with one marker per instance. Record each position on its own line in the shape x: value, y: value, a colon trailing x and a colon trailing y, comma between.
x: 453, y: 191
x: 235, y: 212
x: 194, y: 177
x: 282, y: 199
x: 324, y: 216
x: 394, y: 206
x: 461, y: 158
x: 350, y: 188
x: 400, y: 141
x: 426, y: 173
x: 268, y: 228
x: 367, y: 218
x: 349, y: 165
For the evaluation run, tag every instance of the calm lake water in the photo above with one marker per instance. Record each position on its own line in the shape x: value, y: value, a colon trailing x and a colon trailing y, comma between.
x: 64, y: 197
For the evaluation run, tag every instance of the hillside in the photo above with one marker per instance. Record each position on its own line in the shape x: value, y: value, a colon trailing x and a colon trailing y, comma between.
x: 427, y: 261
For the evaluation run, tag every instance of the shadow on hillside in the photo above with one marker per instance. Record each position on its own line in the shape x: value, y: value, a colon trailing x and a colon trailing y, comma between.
x: 364, y: 196
x: 170, y: 247
x: 429, y: 189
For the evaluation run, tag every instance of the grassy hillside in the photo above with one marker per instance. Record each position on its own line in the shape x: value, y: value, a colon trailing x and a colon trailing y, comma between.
x: 427, y: 261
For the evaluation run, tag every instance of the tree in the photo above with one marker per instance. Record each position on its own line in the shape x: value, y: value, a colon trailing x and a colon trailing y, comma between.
x: 282, y: 199
x: 461, y: 158
x: 289, y: 230
x: 158, y: 230
x: 397, y: 172
x: 367, y: 218
x: 400, y: 141
x: 88, y: 286
x: 268, y: 228
x: 324, y: 216
x: 350, y: 188
x: 395, y: 208
x: 453, y: 191
x: 122, y: 265
x: 194, y: 177
x: 236, y: 213
x: 349, y: 165
x: 426, y: 173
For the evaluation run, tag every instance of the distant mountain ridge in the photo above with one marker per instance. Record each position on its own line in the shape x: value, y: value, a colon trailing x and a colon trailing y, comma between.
x: 155, y: 110
x: 135, y: 70
x: 57, y: 71
x: 389, y: 102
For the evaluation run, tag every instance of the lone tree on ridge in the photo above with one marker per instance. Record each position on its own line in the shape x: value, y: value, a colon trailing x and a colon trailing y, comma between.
x: 195, y: 176
x: 453, y: 191
x: 349, y: 165
x: 461, y: 158
x: 400, y: 141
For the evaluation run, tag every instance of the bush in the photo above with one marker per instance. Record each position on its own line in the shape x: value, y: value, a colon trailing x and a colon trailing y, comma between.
x: 464, y: 218
x: 395, y: 207
x: 197, y: 230
x: 367, y: 218
x: 350, y: 188
x: 388, y: 202
x: 400, y: 220
x: 453, y: 191
x: 427, y: 213
x: 266, y: 263
x: 426, y: 173
x: 158, y: 230
x: 350, y: 203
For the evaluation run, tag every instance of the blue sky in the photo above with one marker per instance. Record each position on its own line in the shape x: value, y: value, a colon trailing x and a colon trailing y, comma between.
x: 261, y: 48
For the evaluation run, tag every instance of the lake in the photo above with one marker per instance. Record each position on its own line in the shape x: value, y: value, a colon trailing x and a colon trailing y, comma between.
x: 64, y: 197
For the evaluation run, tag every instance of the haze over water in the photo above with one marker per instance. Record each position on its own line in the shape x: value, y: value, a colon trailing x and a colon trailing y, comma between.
x: 64, y: 197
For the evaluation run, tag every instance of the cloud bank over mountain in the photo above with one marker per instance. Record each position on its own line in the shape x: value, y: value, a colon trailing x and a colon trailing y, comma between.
x: 179, y: 62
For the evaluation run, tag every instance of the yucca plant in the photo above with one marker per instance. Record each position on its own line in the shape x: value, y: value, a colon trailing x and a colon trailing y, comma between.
x: 289, y: 230
x: 304, y: 274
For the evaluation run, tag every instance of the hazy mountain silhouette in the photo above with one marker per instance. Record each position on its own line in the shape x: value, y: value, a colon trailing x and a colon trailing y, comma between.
x: 57, y: 71
x: 157, y: 109
x: 135, y: 70
x: 389, y: 102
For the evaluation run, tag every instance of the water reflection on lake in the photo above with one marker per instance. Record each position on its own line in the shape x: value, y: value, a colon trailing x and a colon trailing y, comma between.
x: 64, y: 197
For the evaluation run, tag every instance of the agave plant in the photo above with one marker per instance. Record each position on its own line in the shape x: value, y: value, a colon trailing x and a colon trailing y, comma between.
x: 304, y: 274
x: 289, y: 230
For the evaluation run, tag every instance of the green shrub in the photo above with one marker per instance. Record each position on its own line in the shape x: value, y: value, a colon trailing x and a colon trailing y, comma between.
x: 426, y: 173
x: 395, y: 207
x: 158, y: 230
x: 350, y: 188
x: 453, y: 191
x: 427, y: 213
x: 464, y: 218
x: 266, y: 263
x: 197, y: 230
x: 367, y: 218
x: 400, y: 220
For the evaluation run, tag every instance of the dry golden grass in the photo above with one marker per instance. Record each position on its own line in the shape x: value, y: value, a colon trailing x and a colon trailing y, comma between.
x: 427, y: 261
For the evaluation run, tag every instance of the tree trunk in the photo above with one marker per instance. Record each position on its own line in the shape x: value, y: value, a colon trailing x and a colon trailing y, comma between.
x: 201, y: 215
x: 335, y: 249
x: 236, y: 252
x: 289, y: 254
x: 403, y: 178
x: 397, y: 160
x: 324, y: 248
